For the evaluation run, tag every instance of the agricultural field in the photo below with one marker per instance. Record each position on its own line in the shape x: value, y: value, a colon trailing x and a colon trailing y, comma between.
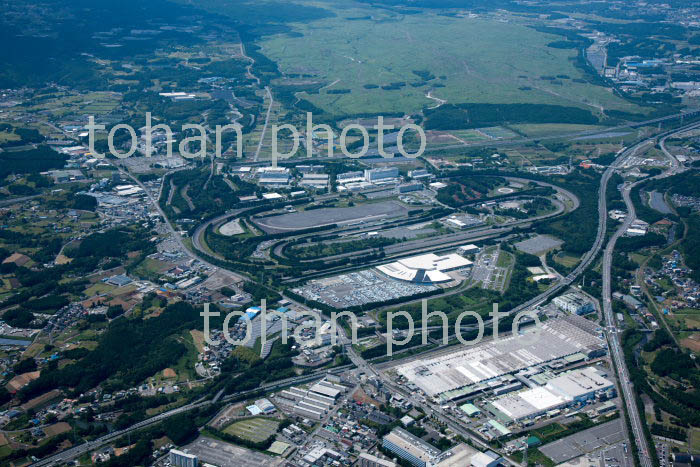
x: 426, y: 60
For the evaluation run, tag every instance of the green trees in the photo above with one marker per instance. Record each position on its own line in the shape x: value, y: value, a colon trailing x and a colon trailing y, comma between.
x: 459, y: 116
x: 129, y: 351
x: 671, y: 362
x: 37, y: 160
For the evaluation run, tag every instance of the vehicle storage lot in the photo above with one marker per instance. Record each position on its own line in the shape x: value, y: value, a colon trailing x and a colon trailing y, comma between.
x: 585, y: 441
x: 223, y: 454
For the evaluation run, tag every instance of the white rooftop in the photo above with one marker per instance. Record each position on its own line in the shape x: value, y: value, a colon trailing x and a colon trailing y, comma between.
x: 424, y: 268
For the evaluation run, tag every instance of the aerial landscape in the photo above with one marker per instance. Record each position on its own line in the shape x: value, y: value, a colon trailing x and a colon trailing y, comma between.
x: 428, y: 233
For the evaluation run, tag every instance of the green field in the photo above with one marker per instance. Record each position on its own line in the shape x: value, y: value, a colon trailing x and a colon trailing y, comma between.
x: 253, y: 429
x: 475, y: 59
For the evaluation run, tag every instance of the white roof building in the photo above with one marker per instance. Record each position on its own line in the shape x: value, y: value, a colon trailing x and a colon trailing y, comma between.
x: 481, y: 459
x: 564, y: 390
x: 424, y: 268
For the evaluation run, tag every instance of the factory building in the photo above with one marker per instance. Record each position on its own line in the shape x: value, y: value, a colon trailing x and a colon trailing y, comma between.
x: 274, y: 178
x: 381, y: 174
x: 349, y: 177
x: 410, y: 448
x: 468, y: 249
x: 309, y: 169
x: 314, y: 180
x: 183, y: 459
x: 574, y: 303
x: 470, y: 370
x: 420, y: 174
x: 574, y: 387
x: 313, y: 403
x: 409, y: 187
x: 368, y: 460
x: 463, y: 221
x: 483, y: 459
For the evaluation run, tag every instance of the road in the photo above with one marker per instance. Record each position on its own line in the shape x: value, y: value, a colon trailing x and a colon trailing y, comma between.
x: 176, y: 235
x: 614, y: 341
x: 81, y: 449
x: 267, y: 120
x: 517, y: 141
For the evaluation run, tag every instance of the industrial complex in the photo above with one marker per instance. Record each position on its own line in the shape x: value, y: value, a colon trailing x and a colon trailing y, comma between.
x: 576, y: 386
x: 478, y: 367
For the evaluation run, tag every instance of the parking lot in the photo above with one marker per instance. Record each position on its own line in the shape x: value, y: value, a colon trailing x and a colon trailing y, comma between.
x: 486, y: 272
x: 227, y: 455
x: 359, y: 288
x: 585, y: 441
x: 538, y: 245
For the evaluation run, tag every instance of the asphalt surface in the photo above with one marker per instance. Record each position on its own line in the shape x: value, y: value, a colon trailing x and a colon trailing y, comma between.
x: 613, y: 337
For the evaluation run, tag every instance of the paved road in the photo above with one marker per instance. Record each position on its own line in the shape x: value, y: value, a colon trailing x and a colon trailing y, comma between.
x: 11, y: 201
x: 567, y: 136
x: 615, y: 345
x: 81, y: 449
x: 267, y: 120
x: 176, y: 235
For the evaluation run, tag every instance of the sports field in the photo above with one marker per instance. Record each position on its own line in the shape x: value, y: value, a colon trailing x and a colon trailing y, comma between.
x: 455, y: 59
x: 253, y: 429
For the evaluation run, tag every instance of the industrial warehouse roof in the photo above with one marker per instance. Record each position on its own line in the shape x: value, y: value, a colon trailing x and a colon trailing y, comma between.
x: 482, y: 362
x: 424, y: 268
x: 558, y: 392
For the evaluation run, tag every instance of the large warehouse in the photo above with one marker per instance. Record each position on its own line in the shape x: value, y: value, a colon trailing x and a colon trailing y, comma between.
x: 489, y: 360
x: 562, y: 391
x: 428, y: 268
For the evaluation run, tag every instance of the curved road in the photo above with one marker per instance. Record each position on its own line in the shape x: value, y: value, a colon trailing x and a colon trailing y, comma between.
x: 613, y: 337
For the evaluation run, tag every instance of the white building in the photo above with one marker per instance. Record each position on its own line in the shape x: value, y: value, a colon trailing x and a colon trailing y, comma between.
x: 315, y: 180
x: 419, y: 174
x: 368, y: 460
x: 183, y: 459
x: 381, y: 174
x: 424, y: 268
x: 349, y: 177
x: 481, y: 459
x: 574, y: 303
x: 573, y: 387
x: 468, y: 249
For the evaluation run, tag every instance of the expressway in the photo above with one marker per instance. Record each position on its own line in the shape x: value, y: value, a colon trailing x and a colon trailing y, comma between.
x: 567, y: 136
x: 615, y: 345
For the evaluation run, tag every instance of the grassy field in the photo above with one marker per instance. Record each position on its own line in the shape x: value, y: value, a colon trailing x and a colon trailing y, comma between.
x: 471, y: 60
x: 534, y: 130
x: 253, y: 429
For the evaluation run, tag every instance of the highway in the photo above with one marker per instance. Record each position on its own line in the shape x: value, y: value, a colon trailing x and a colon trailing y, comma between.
x: 614, y: 341
x: 613, y: 338
x: 517, y: 141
